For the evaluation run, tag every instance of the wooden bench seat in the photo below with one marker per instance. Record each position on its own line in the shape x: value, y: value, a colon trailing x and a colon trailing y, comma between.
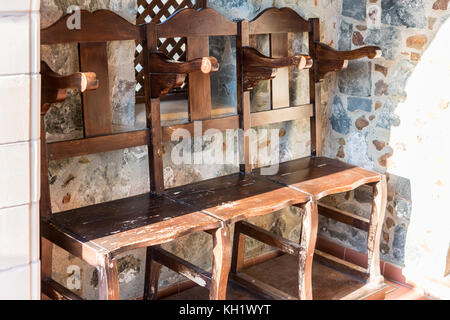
x: 321, y: 176
x: 98, y: 233
x: 117, y: 226
x: 237, y: 197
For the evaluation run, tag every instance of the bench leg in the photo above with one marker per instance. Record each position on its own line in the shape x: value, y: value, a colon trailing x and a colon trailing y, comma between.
x: 308, y: 242
x: 108, y: 280
x: 238, y: 253
x: 221, y: 263
x: 374, y: 234
x: 152, y: 272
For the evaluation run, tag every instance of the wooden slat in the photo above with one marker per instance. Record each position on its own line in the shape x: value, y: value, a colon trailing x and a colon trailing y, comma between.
x: 221, y: 124
x: 99, y: 26
x: 279, y: 92
x: 270, y: 238
x: 190, y: 271
x: 199, y: 83
x: 340, y: 264
x: 97, y: 115
x: 274, y: 20
x: 82, y: 147
x: 260, y: 287
x: 280, y: 115
x: 243, y: 40
x: 55, y: 291
x: 193, y: 23
x: 369, y: 292
x: 345, y: 217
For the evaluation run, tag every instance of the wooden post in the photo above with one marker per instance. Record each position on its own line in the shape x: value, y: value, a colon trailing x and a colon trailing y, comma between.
x: 221, y: 263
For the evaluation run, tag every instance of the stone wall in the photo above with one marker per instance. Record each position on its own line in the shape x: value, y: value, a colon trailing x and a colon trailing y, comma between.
x: 388, y: 115
x: 372, y: 118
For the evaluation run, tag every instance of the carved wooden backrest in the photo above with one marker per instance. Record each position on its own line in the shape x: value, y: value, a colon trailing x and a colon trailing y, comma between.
x: 158, y: 11
x: 96, y: 29
x: 196, y: 26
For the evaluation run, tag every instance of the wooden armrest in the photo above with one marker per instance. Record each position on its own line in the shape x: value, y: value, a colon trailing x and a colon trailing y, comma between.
x: 166, y: 74
x: 258, y: 67
x: 329, y: 59
x: 54, y: 86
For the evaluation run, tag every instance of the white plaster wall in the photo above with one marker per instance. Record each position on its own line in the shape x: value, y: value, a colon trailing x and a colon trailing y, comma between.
x: 19, y: 149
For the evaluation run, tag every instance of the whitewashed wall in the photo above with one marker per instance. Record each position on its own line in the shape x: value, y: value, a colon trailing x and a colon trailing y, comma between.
x: 19, y: 149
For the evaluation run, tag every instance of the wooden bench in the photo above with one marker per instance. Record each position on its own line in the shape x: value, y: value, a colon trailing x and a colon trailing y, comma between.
x: 316, y: 176
x: 98, y: 233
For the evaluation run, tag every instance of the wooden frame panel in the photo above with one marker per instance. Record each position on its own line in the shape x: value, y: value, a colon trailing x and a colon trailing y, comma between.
x: 99, y: 26
x: 281, y: 115
x: 199, y: 83
x: 97, y: 114
x: 279, y: 87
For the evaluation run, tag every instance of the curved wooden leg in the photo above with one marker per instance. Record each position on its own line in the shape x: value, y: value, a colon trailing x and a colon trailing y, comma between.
x: 308, y: 242
x: 108, y: 280
x: 374, y: 235
x: 221, y: 263
x: 237, y: 260
x: 152, y: 272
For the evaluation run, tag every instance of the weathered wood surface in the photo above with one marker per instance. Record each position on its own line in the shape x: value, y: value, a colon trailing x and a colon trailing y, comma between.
x: 237, y: 197
x: 379, y: 203
x: 152, y: 272
x: 322, y: 176
x: 308, y: 237
x: 221, y: 263
x: 108, y: 275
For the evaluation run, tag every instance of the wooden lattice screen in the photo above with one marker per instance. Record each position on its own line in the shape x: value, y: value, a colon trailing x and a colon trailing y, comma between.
x: 157, y: 11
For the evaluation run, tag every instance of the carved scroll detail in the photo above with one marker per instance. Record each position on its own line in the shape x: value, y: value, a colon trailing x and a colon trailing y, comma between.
x: 167, y: 74
x: 258, y: 67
